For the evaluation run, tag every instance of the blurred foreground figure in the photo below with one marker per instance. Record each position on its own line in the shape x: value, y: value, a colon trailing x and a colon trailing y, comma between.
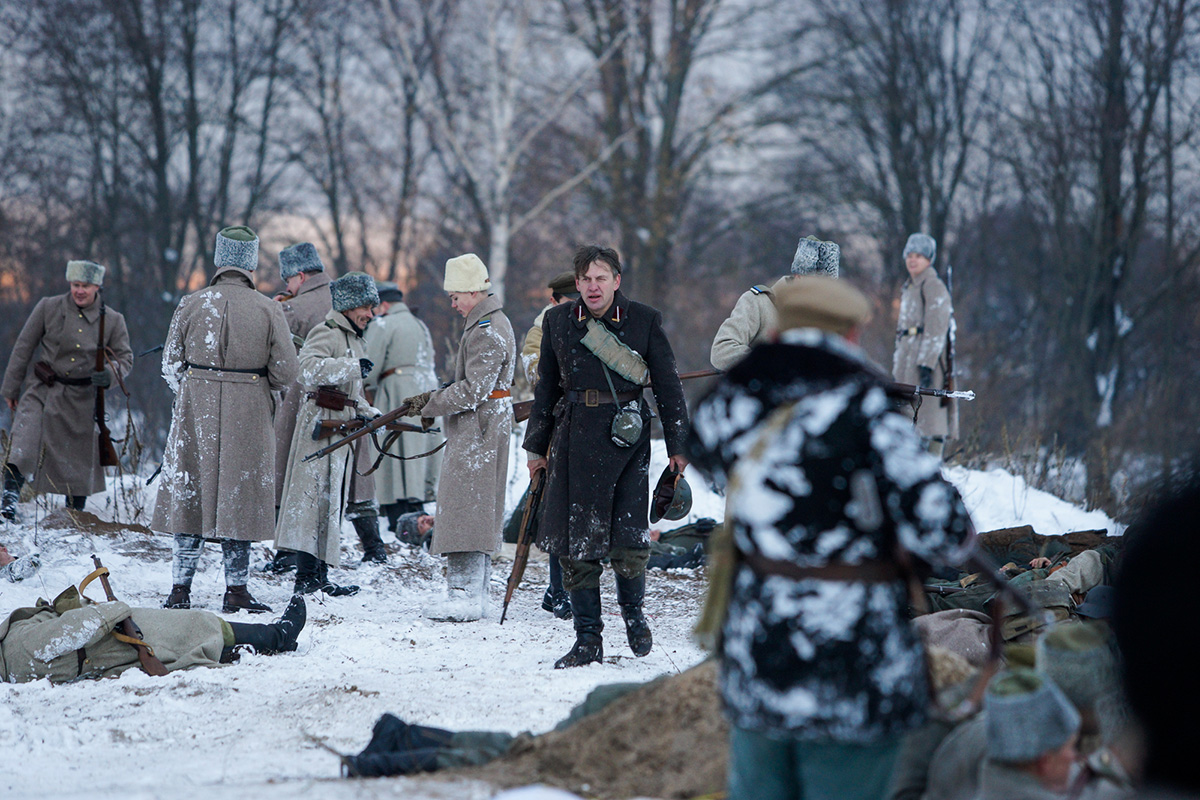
x: 54, y: 434
x: 821, y: 673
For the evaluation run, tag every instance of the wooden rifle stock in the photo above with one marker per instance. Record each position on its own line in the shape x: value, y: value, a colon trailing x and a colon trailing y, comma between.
x: 325, y: 428
x: 524, y: 538
x: 108, y: 453
x: 131, y: 635
x: 367, y: 429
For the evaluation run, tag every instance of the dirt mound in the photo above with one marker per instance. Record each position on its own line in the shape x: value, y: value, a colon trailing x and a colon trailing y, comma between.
x: 67, y: 519
x: 665, y: 740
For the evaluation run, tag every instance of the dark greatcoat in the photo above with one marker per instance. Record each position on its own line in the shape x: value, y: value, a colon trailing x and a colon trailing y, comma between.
x: 597, y: 495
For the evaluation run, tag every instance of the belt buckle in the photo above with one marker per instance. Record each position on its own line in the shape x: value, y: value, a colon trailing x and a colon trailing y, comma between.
x: 591, y: 398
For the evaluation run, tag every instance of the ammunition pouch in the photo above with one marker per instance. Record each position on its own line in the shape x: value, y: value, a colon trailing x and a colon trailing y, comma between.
x: 330, y: 398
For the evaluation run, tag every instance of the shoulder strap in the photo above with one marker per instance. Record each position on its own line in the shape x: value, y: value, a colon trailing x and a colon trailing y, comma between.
x: 760, y: 288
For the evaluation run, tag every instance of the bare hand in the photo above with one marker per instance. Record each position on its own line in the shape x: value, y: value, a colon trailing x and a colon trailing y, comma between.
x: 1041, y: 562
x: 678, y: 463
x: 536, y: 464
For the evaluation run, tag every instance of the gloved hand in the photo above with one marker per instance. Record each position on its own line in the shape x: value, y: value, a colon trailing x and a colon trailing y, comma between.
x: 373, y: 413
x: 416, y: 403
x: 365, y: 365
x: 102, y: 379
x: 926, y: 377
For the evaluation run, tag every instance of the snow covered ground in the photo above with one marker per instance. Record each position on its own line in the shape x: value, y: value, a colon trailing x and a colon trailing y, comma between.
x: 248, y: 729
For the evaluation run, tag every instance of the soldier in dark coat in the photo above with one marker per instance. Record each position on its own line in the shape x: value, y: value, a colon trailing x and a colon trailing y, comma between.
x: 821, y: 672
x: 597, y: 492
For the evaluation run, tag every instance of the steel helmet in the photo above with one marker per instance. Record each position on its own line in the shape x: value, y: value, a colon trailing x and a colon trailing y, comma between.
x: 672, y: 497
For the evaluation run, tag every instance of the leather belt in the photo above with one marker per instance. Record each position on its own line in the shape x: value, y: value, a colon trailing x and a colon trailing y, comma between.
x: 260, y: 371
x: 866, y: 572
x: 594, y: 397
x: 499, y: 394
x: 915, y: 330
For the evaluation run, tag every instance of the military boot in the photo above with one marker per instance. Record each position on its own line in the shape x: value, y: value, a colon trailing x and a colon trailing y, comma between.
x: 589, y: 644
x: 466, y: 574
x: 13, y: 481
x: 9, y: 508
x: 283, y: 561
x: 238, y: 598
x: 367, y: 529
x: 329, y: 587
x: 278, y: 637
x: 308, y: 578
x: 630, y: 594
x: 180, y: 597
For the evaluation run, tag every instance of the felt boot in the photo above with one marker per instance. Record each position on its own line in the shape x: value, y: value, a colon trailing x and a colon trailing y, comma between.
x: 464, y: 600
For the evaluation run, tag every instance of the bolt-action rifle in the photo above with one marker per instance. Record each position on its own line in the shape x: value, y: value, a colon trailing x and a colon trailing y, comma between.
x: 129, y: 633
x: 525, y: 537
x: 367, y: 429
x: 326, y: 428
x: 108, y: 453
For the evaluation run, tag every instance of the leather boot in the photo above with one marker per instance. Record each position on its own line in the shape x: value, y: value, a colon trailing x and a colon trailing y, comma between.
x: 238, y: 598
x: 76, y: 502
x: 367, y: 529
x: 284, y: 561
x: 13, y: 481
x: 307, y: 574
x: 557, y: 603
x: 180, y: 597
x: 589, y: 644
x: 278, y: 637
x: 329, y: 587
x: 630, y: 594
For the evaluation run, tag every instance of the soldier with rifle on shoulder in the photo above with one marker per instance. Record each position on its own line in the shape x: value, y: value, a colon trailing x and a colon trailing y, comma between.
x: 57, y: 440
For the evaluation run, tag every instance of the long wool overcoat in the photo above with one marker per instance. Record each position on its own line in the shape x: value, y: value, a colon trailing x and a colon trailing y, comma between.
x: 218, y: 477
x: 925, y: 307
x: 400, y: 342
x: 303, y: 312
x: 753, y: 319
x: 314, y: 493
x: 831, y: 477
x: 54, y: 435
x: 471, y: 488
x: 597, y: 494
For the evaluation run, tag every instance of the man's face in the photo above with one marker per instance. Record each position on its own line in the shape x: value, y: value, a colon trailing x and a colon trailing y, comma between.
x: 464, y: 302
x: 360, y: 316
x: 295, y: 282
x: 1054, y: 768
x: 916, y: 264
x: 424, y: 524
x: 598, y: 285
x: 84, y: 294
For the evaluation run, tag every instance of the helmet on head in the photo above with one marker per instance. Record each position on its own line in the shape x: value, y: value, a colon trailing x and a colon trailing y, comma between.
x: 672, y: 497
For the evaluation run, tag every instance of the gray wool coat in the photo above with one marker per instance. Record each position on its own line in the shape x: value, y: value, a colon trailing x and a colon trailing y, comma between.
x: 315, y: 493
x: 54, y: 435
x: 471, y: 488
x: 399, y: 341
x: 925, y: 306
x: 47, y: 641
x: 218, y: 479
x: 303, y: 313
x: 752, y: 321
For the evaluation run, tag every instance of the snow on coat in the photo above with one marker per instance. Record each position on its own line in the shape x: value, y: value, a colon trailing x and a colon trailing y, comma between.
x: 925, y: 306
x: 399, y: 341
x: 753, y: 319
x: 471, y: 488
x: 217, y: 476
x: 54, y: 434
x: 314, y: 493
x: 813, y: 658
x: 303, y: 312
x: 597, y: 493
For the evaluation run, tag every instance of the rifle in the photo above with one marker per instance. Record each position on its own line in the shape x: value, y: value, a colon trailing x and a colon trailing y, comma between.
x: 367, y: 429
x: 325, y: 428
x: 909, y: 390
x: 154, y: 349
x: 523, y: 409
x: 951, y: 338
x: 108, y: 453
x: 525, y: 537
x: 129, y: 630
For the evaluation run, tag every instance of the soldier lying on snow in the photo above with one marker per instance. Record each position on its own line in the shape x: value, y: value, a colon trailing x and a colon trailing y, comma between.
x: 73, y: 637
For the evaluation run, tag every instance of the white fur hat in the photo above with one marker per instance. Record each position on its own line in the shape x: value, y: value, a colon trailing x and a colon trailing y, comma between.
x: 466, y: 273
x: 85, y: 272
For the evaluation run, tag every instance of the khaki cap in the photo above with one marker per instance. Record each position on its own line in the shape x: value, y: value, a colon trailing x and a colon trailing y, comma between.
x: 815, y: 301
x: 564, y: 283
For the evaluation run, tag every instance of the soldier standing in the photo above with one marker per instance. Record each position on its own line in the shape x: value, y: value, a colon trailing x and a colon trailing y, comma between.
x: 54, y: 436
x: 821, y: 671
x: 754, y: 319
x: 477, y: 408
x: 401, y: 349
x: 227, y: 349
x: 305, y: 306
x: 597, y: 490
x: 922, y: 346
x: 333, y: 365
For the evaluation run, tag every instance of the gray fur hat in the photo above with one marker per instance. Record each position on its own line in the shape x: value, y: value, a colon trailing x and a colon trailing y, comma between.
x: 353, y: 290
x: 301, y: 257
x: 1077, y: 657
x: 921, y: 244
x: 85, y: 272
x: 816, y: 257
x: 389, y: 292
x: 1027, y: 715
x: 237, y: 246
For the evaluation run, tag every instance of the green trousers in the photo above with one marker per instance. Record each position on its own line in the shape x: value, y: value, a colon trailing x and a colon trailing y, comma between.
x: 763, y: 768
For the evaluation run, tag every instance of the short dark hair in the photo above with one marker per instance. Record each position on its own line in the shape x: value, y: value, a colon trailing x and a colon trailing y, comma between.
x: 589, y: 253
